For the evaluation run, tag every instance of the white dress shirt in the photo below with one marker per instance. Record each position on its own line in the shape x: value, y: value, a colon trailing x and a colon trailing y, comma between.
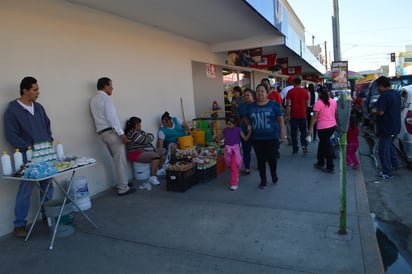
x: 104, y: 113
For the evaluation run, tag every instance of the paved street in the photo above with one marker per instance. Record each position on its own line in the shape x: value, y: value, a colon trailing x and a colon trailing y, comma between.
x: 391, y: 201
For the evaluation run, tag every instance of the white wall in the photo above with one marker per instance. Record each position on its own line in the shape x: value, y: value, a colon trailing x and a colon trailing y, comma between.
x: 67, y: 48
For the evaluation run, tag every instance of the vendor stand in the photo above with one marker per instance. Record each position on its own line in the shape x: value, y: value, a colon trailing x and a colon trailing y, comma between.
x: 59, y: 185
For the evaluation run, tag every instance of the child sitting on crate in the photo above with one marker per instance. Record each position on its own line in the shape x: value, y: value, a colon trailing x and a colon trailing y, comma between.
x: 232, y: 134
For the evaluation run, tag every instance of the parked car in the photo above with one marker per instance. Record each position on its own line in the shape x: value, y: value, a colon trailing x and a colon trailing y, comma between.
x: 372, y: 97
x: 405, y: 136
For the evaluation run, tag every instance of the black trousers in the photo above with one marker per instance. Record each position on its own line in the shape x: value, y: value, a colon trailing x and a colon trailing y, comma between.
x: 324, y: 147
x: 266, y: 152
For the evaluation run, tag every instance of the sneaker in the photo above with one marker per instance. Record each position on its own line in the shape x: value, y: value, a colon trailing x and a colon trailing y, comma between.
x: 146, y: 185
x: 328, y: 170
x: 233, y: 187
x: 275, y: 180
x: 384, y: 176
x: 355, y: 167
x: 154, y: 181
x: 20, y: 232
x: 129, y: 191
x: 161, y: 172
x: 262, y: 185
x: 316, y: 165
x: 305, y: 150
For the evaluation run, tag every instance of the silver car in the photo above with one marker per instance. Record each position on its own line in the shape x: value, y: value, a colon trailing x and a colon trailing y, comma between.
x: 405, y: 136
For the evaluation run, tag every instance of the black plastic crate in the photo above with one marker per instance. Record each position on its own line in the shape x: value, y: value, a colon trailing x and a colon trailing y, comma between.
x: 180, y: 181
x: 205, y: 175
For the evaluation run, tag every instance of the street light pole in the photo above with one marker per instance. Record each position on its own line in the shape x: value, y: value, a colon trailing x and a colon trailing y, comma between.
x: 336, y: 32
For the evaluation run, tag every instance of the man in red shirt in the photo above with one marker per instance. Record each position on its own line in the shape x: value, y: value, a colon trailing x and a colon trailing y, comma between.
x: 273, y: 94
x: 296, y: 103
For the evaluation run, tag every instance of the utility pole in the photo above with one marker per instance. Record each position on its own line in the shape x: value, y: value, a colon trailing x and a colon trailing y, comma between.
x: 326, y: 57
x: 336, y: 32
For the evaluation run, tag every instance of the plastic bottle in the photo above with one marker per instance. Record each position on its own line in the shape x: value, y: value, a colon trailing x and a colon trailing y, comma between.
x: 6, y: 164
x: 18, y: 160
x: 59, y: 150
x: 29, y: 154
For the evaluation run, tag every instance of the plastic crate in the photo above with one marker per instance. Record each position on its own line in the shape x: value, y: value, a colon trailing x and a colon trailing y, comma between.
x: 180, y: 181
x: 220, y: 164
x: 205, y: 175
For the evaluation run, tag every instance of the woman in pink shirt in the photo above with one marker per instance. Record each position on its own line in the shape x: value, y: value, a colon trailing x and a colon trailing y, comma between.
x: 324, y: 114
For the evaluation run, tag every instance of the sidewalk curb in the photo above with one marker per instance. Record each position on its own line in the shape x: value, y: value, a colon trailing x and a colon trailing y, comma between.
x: 369, y: 244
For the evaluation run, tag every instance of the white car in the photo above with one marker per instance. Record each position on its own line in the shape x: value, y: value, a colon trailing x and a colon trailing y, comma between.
x: 405, y: 136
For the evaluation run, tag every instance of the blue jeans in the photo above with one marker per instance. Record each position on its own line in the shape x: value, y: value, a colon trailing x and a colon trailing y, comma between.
x: 300, y: 124
x: 388, y: 155
x: 23, y: 200
x: 246, y: 149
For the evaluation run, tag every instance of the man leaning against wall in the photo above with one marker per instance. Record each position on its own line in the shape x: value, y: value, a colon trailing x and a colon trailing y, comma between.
x: 26, y: 123
x: 111, y: 132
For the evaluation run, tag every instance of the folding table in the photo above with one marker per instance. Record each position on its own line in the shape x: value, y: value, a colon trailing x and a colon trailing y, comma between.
x: 66, y: 197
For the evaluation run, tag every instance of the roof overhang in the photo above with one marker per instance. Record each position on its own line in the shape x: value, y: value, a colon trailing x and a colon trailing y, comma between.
x: 223, y: 25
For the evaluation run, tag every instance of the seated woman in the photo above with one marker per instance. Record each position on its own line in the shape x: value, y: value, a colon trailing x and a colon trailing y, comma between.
x: 170, y: 130
x: 140, y: 149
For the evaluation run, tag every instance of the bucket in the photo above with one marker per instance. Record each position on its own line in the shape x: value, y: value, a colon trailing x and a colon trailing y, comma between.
x: 208, y: 136
x: 141, y: 170
x: 202, y: 124
x: 52, y: 209
x: 185, y: 142
x: 199, y: 136
x: 79, y: 193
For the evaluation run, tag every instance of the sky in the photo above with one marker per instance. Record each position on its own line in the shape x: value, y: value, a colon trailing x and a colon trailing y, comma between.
x: 369, y: 29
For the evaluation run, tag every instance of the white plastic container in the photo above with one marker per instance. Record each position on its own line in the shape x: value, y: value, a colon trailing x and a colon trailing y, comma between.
x: 59, y: 150
x: 79, y: 193
x: 18, y: 160
x: 6, y: 164
x: 141, y: 171
x: 29, y: 154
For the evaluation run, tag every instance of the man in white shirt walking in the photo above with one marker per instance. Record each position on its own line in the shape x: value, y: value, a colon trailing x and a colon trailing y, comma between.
x: 110, y: 131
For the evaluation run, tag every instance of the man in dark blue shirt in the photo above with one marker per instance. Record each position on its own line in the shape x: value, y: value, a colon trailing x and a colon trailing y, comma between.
x: 388, y: 114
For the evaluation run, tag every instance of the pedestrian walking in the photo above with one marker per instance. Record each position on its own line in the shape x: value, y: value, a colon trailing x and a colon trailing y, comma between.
x: 268, y: 126
x: 296, y: 102
x: 352, y: 143
x: 325, y: 115
x: 233, y: 133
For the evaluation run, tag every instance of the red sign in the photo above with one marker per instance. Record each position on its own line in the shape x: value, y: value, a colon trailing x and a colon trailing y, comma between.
x: 292, y: 70
x: 266, y: 61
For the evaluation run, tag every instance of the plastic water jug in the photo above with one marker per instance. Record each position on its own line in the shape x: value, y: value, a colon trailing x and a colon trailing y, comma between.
x: 6, y: 164
x: 18, y: 160
x: 29, y: 154
x: 59, y: 150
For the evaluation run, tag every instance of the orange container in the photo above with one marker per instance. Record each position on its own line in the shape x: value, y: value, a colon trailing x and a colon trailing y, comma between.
x: 199, y: 136
x: 185, y: 142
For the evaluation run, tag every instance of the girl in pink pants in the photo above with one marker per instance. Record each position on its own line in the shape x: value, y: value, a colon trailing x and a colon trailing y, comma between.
x: 233, y: 158
x: 353, y: 144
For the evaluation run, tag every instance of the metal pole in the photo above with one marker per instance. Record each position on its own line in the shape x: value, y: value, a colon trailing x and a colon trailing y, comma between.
x: 344, y: 107
x: 336, y: 32
x: 342, y: 218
